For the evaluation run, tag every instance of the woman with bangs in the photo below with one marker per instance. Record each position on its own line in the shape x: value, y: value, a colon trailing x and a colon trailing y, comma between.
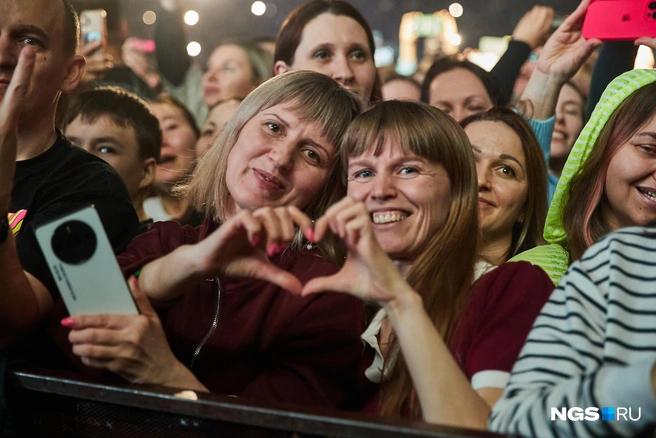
x: 410, y: 225
x: 227, y: 319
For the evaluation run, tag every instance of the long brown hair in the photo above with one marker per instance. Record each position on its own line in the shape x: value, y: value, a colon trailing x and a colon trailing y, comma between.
x: 443, y: 272
x: 291, y: 31
x: 583, y: 219
x: 528, y: 233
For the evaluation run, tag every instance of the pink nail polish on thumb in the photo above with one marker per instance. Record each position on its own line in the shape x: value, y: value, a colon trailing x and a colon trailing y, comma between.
x: 67, y: 322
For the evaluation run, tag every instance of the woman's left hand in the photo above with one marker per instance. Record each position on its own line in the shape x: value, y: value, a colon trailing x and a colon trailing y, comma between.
x: 368, y: 272
x: 132, y: 346
x: 566, y: 50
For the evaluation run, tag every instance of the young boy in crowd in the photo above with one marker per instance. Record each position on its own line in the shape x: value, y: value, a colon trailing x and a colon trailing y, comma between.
x: 118, y: 127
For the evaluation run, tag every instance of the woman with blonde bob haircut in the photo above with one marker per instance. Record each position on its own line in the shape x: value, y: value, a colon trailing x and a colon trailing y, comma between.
x: 410, y: 225
x: 227, y: 320
x: 314, y: 104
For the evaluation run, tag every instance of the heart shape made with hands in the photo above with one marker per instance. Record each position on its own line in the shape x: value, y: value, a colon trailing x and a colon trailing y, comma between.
x: 244, y: 245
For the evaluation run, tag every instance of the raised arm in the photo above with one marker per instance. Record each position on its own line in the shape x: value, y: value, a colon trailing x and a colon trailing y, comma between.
x: 531, y: 32
x: 445, y: 393
x: 563, y: 54
x: 24, y: 300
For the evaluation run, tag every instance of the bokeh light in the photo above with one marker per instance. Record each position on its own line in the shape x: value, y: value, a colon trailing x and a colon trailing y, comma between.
x: 258, y: 8
x: 455, y: 39
x: 191, y: 18
x: 456, y: 10
x: 149, y: 17
x: 193, y: 48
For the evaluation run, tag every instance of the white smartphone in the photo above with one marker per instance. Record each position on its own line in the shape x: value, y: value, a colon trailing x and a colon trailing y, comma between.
x: 83, y: 265
x: 93, y: 24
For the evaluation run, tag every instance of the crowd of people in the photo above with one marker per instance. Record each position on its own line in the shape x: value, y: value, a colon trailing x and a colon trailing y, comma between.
x: 496, y: 223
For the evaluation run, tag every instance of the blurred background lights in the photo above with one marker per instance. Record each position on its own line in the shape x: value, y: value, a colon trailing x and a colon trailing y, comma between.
x: 193, y: 48
x: 149, y: 17
x: 191, y: 18
x: 258, y: 8
x: 454, y: 39
x: 456, y: 10
x: 271, y: 9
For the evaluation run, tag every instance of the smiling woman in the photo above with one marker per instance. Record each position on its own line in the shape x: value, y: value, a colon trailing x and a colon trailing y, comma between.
x: 274, y: 166
x: 176, y: 162
x: 607, y: 182
x: 410, y: 224
x: 512, y: 183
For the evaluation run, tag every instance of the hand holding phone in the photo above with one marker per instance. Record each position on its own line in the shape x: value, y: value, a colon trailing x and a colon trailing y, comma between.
x: 617, y: 20
x: 83, y: 265
x: 93, y: 23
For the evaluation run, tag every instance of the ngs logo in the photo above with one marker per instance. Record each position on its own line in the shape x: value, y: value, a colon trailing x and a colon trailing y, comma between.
x: 592, y: 414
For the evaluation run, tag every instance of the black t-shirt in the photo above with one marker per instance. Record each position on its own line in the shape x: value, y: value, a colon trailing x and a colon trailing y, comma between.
x: 59, y: 181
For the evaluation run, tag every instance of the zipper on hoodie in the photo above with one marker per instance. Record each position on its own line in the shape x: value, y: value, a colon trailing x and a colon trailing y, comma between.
x: 215, y: 323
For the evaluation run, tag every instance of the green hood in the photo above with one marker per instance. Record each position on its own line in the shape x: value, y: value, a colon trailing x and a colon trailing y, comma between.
x: 553, y: 258
x: 616, y: 92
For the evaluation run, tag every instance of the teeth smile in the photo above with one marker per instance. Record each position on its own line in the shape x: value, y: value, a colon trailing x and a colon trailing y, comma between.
x: 388, y: 216
x: 648, y: 193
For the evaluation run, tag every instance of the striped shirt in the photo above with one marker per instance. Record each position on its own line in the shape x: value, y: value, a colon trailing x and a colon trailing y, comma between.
x: 593, y: 345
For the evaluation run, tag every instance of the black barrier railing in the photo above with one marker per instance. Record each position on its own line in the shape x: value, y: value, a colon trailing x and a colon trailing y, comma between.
x: 48, y: 403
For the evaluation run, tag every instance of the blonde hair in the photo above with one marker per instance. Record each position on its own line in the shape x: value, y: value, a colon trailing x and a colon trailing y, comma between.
x: 316, y: 98
x: 443, y: 272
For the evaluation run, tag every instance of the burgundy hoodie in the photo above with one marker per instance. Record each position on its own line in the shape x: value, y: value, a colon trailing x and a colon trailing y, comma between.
x: 250, y: 338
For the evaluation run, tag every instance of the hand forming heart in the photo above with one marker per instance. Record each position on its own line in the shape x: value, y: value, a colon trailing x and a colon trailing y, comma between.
x: 368, y: 272
x: 243, y: 244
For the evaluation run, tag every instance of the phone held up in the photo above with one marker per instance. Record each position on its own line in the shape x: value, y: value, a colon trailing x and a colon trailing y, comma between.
x: 82, y: 262
x: 93, y: 24
x: 617, y: 20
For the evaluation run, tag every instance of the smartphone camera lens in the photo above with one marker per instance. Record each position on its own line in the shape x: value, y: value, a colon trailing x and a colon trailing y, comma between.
x: 652, y: 6
x: 74, y: 242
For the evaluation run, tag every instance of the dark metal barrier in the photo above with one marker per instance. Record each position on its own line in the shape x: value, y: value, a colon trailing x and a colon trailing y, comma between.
x: 46, y: 403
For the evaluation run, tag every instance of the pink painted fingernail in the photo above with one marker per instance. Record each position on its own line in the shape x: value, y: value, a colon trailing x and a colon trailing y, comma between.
x: 310, y: 235
x: 67, y: 322
x: 255, y: 240
x: 271, y: 250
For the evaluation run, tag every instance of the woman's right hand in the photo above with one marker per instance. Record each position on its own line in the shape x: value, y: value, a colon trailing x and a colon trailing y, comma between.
x: 368, y: 272
x: 242, y: 245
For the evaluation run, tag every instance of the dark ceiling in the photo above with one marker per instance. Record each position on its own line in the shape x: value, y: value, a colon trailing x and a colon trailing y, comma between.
x: 229, y: 18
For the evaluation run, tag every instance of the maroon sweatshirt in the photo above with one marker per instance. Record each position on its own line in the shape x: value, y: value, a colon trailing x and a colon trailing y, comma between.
x: 250, y: 338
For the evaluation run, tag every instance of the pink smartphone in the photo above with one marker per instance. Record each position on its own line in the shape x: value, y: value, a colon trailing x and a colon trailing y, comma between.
x: 616, y: 20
